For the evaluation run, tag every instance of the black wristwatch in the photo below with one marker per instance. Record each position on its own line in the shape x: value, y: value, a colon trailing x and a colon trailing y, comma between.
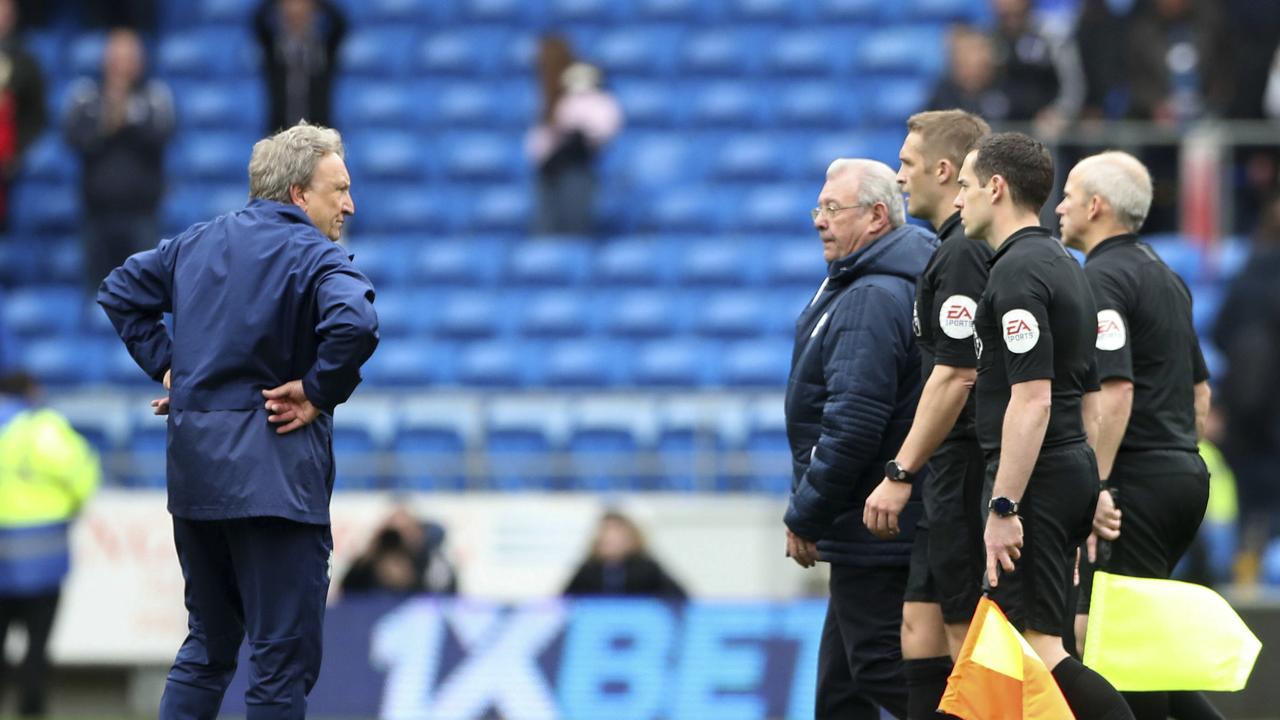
x: 1002, y: 506
x: 897, y: 473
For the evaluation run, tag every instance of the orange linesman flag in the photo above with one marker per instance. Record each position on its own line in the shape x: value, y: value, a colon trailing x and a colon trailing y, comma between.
x: 999, y: 677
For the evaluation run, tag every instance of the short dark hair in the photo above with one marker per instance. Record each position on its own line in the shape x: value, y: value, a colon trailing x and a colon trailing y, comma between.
x: 18, y: 383
x: 948, y: 134
x: 1023, y: 162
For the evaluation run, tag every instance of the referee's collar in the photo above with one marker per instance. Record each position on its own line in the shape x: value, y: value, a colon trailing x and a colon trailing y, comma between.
x: 1029, y: 231
x: 948, y: 226
x: 1112, y: 243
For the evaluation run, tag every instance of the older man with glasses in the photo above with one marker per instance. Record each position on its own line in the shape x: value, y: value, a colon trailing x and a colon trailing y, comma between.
x: 855, y: 381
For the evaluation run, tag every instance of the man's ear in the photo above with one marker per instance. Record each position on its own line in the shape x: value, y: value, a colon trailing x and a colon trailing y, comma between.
x: 944, y: 172
x: 998, y: 188
x: 1095, y: 207
x: 297, y: 195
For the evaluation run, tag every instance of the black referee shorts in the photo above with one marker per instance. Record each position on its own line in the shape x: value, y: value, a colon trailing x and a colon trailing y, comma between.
x: 1057, y: 514
x: 947, y: 555
x: 1162, y: 495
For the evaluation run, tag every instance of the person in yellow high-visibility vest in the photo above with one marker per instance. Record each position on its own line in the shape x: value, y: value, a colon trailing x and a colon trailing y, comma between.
x: 47, y: 471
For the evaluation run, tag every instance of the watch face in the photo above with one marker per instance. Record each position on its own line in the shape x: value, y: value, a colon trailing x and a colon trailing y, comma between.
x: 1002, y: 506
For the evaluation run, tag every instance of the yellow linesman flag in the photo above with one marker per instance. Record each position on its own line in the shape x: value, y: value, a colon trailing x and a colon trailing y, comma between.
x: 1147, y: 635
x: 999, y: 677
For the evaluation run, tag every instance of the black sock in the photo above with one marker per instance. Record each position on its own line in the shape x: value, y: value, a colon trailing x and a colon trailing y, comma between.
x: 1148, y: 705
x: 1088, y: 693
x: 926, y: 681
x: 1192, y: 705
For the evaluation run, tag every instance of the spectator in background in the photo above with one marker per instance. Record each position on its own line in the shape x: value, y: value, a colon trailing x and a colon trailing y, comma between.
x: 119, y: 126
x: 404, y: 556
x: 578, y: 119
x: 1038, y: 72
x: 620, y: 564
x: 300, y: 41
x: 970, y: 81
x: 1101, y: 31
x: 47, y: 472
x: 1247, y: 332
x: 1179, y: 63
x: 22, y: 110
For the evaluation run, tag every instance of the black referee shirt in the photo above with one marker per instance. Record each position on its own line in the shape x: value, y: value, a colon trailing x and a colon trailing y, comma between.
x: 1145, y: 335
x: 1035, y: 321
x: 946, y: 300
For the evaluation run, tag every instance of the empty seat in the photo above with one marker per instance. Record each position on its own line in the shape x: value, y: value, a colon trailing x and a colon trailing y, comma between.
x: 43, y: 311
x: 757, y: 363
x: 386, y: 156
x: 752, y: 157
x: 723, y: 52
x: 520, y: 458
x: 1183, y: 256
x: 355, y: 456
x: 468, y: 315
x: 500, y: 208
x: 504, y: 12
x: 458, y: 262
x: 1206, y: 301
x: 219, y: 157
x: 401, y: 312
x: 465, y: 52
x: 733, y: 314
x: 122, y: 369
x: 675, y: 363
x: 652, y: 160
x: 186, y: 205
x: 649, y: 103
x: 44, y: 208
x: 389, y: 12
x: 62, y: 261
x: 768, y: 462
x: 403, y: 361
x: 549, y: 262
x: 207, y: 52
x: 602, y: 458
x: 63, y: 361
x: 778, y: 208
x: 584, y: 364
x: 915, y: 49
x: 392, y: 207
x: 893, y: 102
x: 586, y: 11
x: 230, y: 12
x: 683, y: 11
x: 718, y: 263
x: 84, y: 55
x: 557, y: 313
x: 630, y: 261
x: 809, y: 52
x: 379, y: 52
x: 814, y: 104
x: 429, y: 456
x: 365, y: 103
x: 688, y: 208
x: 480, y: 156
x: 769, y: 11
x: 642, y: 314
x: 222, y: 105
x: 728, y: 104
x: 794, y: 262
x: 947, y: 11
x: 384, y: 260
x: 637, y: 50
x: 49, y: 160
x: 148, y: 441
x: 851, y: 10
x: 482, y: 104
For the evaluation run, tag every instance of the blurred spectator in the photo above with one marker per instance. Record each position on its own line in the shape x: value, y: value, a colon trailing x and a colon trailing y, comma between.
x: 1179, y: 64
x: 405, y: 556
x: 119, y: 126
x: 47, y: 471
x: 1038, y: 72
x: 1100, y: 33
x: 1247, y: 331
x: 1209, y: 559
x: 970, y: 81
x: 22, y: 109
x: 578, y: 118
x: 300, y: 40
x: 620, y: 564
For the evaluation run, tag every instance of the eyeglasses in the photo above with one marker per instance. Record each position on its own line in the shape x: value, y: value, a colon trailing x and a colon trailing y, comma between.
x: 832, y: 209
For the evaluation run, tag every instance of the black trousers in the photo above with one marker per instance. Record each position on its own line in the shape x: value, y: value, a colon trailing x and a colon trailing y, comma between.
x: 265, y: 578
x: 860, y: 656
x: 35, y: 613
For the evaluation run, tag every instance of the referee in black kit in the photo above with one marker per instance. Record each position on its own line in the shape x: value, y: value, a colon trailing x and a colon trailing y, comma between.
x: 1154, y: 396
x: 1035, y: 327
x: 946, y: 556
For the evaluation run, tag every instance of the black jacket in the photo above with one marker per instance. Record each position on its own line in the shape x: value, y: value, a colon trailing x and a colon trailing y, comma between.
x: 317, y: 63
x: 637, y: 575
x: 135, y: 150
x: 855, y: 381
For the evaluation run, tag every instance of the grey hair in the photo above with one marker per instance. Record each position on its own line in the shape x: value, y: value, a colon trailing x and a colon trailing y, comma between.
x: 289, y: 158
x: 877, y: 183
x: 1120, y: 179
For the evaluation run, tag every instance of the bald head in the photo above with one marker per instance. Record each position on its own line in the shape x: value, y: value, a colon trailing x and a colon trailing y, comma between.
x: 874, y: 181
x: 1122, y: 181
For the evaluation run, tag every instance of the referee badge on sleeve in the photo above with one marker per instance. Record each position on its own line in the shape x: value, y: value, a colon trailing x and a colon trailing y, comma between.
x: 1021, y: 331
x: 1111, y: 335
x: 955, y: 319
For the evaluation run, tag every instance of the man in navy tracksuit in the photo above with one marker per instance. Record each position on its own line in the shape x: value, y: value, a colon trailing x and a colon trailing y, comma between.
x: 271, y: 323
x: 855, y: 381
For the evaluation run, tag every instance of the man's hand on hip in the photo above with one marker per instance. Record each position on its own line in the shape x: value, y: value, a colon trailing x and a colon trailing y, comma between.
x: 884, y: 505
x: 288, y: 404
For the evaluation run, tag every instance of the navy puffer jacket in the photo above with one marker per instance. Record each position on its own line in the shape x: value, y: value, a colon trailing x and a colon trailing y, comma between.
x: 855, y: 381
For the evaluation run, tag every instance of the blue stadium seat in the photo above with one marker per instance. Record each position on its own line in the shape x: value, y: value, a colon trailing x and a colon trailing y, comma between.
x: 401, y: 313
x: 649, y: 103
x: 44, y: 208
x: 386, y: 156
x: 685, y: 12
x: 728, y: 104
x: 207, y: 52
x: 881, y: 145
x: 402, y: 361
x: 549, y: 262
x: 686, y: 458
x: 643, y: 314
x: 1230, y: 256
x: 675, y: 363
x: 63, y: 361
x: 17, y: 264
x: 915, y: 49
x: 468, y: 314
x: 228, y: 12
x: 768, y: 456
x: 463, y: 52
x: 480, y: 156
x: 554, y: 314
x: 43, y: 311
x: 429, y: 456
x: 504, y: 208
x: 630, y: 262
x: 496, y: 364
x: 218, y: 157
x: 46, y: 47
x: 715, y: 263
x: 778, y: 207
x: 121, y: 369
x: 602, y: 459
x: 481, y: 104
x: 948, y: 11
x: 380, y: 52
x: 520, y: 458
x: 146, y: 456
x: 407, y: 12
x: 62, y: 261
x: 769, y: 11
x: 1181, y: 254
x: 384, y: 260
x: 222, y: 105
x: 688, y: 208
x: 893, y: 102
x: 653, y: 160
x: 732, y: 314
x: 84, y: 55
x: 809, y: 52
x: 1206, y: 302
x: 637, y: 50
x: 852, y: 10
x: 814, y: 104
x: 751, y: 157
x: 792, y: 261
x: 49, y: 160
x: 720, y: 51
x: 185, y: 205
x: 758, y: 364
x: 471, y: 263
x: 499, y: 12
x: 363, y: 103
x: 393, y: 207
x: 603, y: 12
x: 585, y: 364
x: 1270, y: 565
x: 355, y: 454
